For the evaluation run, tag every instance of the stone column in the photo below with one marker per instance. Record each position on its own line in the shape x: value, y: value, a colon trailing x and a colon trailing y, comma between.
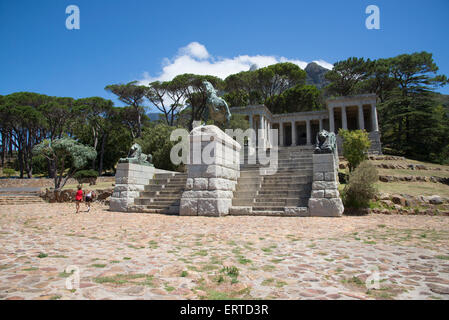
x: 251, y: 121
x: 321, y: 124
x: 270, y: 138
x: 261, y: 131
x: 130, y: 179
x: 344, y: 120
x: 361, y: 119
x: 325, y: 199
x: 281, y: 134
x: 331, y: 120
x: 375, y: 123
x: 211, y: 182
x: 309, y: 132
x: 293, y: 124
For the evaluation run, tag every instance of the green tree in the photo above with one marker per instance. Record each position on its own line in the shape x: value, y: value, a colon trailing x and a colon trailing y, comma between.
x: 347, y: 75
x: 96, y: 112
x: 355, y: 146
x: 195, y: 93
x: 237, y: 98
x: 297, y: 99
x: 133, y: 95
x: 155, y: 140
x: 407, y: 115
x: 68, y: 155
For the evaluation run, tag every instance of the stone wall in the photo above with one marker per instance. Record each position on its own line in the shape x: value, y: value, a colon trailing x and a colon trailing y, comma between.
x: 325, y: 199
x: 374, y: 137
x: 130, y: 179
x: 212, y: 173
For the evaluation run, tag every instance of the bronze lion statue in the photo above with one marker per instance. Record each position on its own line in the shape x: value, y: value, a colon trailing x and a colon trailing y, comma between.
x: 326, y: 142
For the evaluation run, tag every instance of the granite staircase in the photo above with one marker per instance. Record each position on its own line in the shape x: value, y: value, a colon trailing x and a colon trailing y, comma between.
x: 284, y: 193
x: 162, y: 195
x: 18, y: 198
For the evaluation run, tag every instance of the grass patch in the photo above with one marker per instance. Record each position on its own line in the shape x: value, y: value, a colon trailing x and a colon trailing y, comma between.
x: 98, y: 265
x: 442, y: 257
x: 65, y: 274
x: 169, y: 288
x: 153, y: 244
x: 120, y: 279
x: 243, y: 260
x: 126, y: 258
x: 354, y: 280
x: 184, y: 274
x: 42, y: 255
x: 201, y: 253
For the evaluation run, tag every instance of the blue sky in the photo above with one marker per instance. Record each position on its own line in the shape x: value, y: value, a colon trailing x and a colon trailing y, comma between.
x: 121, y: 41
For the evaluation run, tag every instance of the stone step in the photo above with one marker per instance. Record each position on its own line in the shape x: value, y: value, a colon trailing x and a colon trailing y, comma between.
x: 162, y: 193
x: 157, y: 201
x: 169, y: 175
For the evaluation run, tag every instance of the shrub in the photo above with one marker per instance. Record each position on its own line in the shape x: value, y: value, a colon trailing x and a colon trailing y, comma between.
x: 86, y: 174
x: 89, y: 176
x: 40, y: 165
x: 8, y: 172
x: 355, y: 146
x: 361, y: 186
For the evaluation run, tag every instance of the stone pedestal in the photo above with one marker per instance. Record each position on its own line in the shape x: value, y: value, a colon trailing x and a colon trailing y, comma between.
x: 325, y: 199
x: 212, y: 173
x: 130, y: 179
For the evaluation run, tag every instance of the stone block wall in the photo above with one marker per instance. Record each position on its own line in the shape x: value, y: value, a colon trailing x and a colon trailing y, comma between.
x: 325, y: 199
x: 376, y: 145
x: 212, y: 173
x: 130, y: 179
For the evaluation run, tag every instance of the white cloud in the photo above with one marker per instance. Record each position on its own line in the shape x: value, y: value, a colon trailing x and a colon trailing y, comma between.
x: 194, y: 58
x: 195, y: 50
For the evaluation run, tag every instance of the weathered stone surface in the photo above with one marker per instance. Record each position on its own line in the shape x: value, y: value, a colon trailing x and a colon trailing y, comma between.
x: 221, y: 184
x: 332, y: 193
x: 130, y: 179
x: 240, y: 211
x: 323, y: 167
x: 326, y: 207
x: 120, y: 204
x: 318, y: 176
x: 188, y: 207
x: 214, y: 176
x: 215, y: 194
x: 320, y: 185
x: 189, y: 184
x: 200, y: 184
x: 214, y: 207
x: 435, y: 199
x: 317, y: 194
x: 296, y: 211
x: 330, y: 176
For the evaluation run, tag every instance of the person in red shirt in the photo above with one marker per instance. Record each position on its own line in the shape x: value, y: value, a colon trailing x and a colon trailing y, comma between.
x: 78, y: 198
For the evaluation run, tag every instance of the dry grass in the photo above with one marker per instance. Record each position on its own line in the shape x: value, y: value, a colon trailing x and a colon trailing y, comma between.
x: 99, y: 185
x: 414, y: 188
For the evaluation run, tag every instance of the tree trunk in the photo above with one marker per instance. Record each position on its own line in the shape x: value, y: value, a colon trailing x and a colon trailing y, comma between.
x: 100, y: 164
x: 20, y: 160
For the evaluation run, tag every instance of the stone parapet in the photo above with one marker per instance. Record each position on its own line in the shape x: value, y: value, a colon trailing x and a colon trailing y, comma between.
x: 325, y: 199
x: 212, y: 173
x: 130, y: 180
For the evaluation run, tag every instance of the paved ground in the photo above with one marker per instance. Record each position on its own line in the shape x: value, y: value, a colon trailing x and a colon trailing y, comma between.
x: 138, y: 256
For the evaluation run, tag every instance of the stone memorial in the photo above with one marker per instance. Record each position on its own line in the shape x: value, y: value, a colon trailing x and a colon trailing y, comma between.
x: 325, y: 199
x: 212, y: 173
x: 133, y: 173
